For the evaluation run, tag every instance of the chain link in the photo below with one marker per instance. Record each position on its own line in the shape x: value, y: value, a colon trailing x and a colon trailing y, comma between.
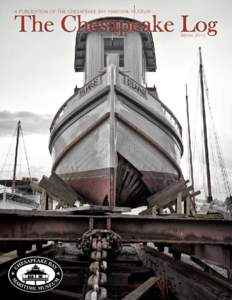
x: 98, y: 243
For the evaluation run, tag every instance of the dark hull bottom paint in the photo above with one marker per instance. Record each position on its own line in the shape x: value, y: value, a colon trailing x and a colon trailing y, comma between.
x: 132, y: 187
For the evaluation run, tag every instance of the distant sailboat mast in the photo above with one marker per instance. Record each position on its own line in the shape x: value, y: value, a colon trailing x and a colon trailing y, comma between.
x: 16, y: 156
x: 206, y: 148
x: 189, y: 139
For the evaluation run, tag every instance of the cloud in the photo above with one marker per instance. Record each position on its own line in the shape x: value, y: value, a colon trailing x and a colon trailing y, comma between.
x: 31, y: 122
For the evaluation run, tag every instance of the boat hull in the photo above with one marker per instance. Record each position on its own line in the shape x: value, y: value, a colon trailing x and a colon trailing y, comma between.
x: 95, y: 186
x: 115, y: 148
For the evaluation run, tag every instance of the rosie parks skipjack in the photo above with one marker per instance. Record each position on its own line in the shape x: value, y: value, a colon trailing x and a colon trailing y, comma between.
x: 71, y: 23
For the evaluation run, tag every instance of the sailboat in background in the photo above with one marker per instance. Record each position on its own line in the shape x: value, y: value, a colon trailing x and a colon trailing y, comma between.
x: 17, y: 193
x: 206, y: 147
x: 209, y: 160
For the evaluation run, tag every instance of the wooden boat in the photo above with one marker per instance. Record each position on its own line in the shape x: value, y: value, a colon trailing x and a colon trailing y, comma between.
x: 113, y: 140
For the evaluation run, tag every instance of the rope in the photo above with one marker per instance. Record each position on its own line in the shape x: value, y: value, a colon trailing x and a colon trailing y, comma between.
x: 221, y: 160
x: 214, y: 169
x: 216, y: 154
x: 8, y: 152
x: 197, y: 157
x: 25, y: 151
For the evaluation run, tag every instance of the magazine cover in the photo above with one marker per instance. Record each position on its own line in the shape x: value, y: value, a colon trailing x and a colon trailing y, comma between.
x: 115, y: 163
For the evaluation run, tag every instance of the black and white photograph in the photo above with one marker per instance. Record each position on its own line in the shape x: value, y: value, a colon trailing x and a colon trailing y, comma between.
x: 115, y: 158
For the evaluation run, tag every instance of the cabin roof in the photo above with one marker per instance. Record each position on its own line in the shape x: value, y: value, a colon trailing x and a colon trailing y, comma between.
x: 147, y: 39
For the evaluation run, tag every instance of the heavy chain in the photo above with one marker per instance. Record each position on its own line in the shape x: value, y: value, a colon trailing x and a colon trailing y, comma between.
x: 98, y: 244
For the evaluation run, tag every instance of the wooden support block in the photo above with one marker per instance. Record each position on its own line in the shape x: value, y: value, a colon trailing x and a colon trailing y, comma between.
x: 172, y: 211
x: 179, y: 203
x: 193, y: 209
x: 167, y: 196
x: 43, y: 197
x: 147, y: 211
x: 60, y: 190
x: 187, y: 206
x: 46, y: 202
x: 50, y: 203
x: 168, y: 202
x: 154, y: 211
x: 35, y: 187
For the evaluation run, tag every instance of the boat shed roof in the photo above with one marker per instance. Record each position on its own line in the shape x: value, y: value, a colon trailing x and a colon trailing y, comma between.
x: 148, y: 44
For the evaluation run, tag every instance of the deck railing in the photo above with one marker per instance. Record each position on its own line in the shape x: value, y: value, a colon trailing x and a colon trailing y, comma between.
x: 130, y: 82
x: 144, y: 92
x: 169, y: 114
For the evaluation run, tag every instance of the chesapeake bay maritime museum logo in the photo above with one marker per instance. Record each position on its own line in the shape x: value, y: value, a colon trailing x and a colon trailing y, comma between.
x: 35, y: 274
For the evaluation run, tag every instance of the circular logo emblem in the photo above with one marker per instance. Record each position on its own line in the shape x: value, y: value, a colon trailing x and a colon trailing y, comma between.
x: 35, y: 274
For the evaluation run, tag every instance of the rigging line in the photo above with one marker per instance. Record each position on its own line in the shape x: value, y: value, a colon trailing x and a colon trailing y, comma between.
x: 222, y: 164
x: 191, y: 70
x: 216, y: 185
x: 198, y: 150
x: 202, y: 161
x: 25, y: 151
x: 19, y: 162
x: 213, y: 158
x: 196, y: 116
x: 197, y: 157
x: 196, y: 108
x: 204, y: 121
x: 219, y: 179
x: 9, y: 150
x: 189, y: 167
x: 213, y: 155
x: 221, y: 160
x: 201, y: 153
x: 187, y: 155
x: 190, y: 160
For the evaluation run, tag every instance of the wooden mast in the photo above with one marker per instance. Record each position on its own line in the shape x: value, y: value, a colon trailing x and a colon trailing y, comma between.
x: 189, y: 140
x: 16, y: 156
x: 209, y: 197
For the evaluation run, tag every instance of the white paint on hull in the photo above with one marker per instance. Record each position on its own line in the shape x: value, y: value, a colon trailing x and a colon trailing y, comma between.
x: 140, y: 153
x: 92, y: 151
x: 77, y: 127
x: 160, y: 136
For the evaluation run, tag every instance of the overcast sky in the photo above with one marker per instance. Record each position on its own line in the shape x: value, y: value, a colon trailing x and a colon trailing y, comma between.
x: 37, y: 73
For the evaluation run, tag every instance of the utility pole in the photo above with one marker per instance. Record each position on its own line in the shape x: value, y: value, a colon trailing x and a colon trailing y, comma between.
x: 209, y: 196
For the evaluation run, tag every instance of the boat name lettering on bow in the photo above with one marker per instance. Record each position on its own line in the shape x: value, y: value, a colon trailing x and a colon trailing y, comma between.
x: 135, y: 86
x: 89, y: 86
